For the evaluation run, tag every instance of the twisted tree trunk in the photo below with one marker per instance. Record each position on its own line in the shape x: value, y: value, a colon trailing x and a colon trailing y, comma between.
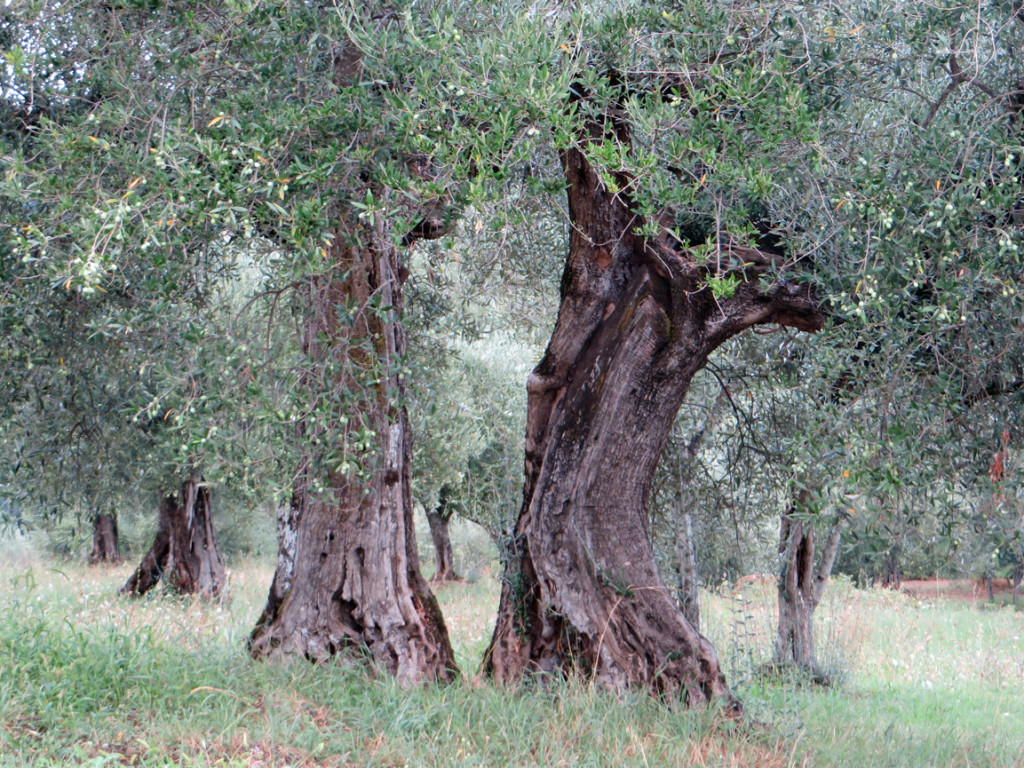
x: 184, y: 552
x: 439, y: 519
x: 106, y: 545
x: 637, y: 320
x: 802, y: 582
x: 347, y: 578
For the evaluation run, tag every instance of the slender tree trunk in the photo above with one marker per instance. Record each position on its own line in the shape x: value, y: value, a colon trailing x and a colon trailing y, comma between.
x: 106, y: 546
x: 802, y: 583
x: 347, y: 578
x: 689, y: 583
x: 636, y: 323
x: 444, y: 562
x: 685, y: 550
x: 184, y: 552
x: 1018, y: 576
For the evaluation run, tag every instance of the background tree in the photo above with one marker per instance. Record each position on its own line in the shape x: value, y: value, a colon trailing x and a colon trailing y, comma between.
x: 364, y: 108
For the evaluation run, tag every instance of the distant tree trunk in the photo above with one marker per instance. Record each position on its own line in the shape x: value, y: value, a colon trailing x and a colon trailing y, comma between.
x: 347, y: 578
x: 802, y: 582
x: 106, y: 546
x: 1018, y: 576
x: 892, y: 578
x: 184, y: 552
x: 636, y: 322
x: 685, y: 550
x: 439, y: 518
x: 689, y: 582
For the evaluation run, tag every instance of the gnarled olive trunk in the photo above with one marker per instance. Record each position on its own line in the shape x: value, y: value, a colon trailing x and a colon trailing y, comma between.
x: 439, y: 519
x: 184, y: 553
x: 637, y: 320
x: 802, y: 581
x: 106, y: 546
x: 347, y: 578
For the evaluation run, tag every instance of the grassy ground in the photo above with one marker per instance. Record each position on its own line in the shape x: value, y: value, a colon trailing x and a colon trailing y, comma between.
x: 88, y: 678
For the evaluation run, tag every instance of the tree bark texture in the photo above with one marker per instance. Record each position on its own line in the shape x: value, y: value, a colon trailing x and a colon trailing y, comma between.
x: 184, y: 553
x: 106, y: 545
x: 347, y: 578
x: 802, y: 580
x: 439, y: 518
x: 636, y: 322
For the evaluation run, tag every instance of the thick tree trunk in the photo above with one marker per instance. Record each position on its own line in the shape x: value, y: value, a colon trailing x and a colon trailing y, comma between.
x: 347, y: 578
x: 438, y: 519
x: 636, y: 322
x: 802, y: 582
x: 184, y: 552
x: 106, y: 546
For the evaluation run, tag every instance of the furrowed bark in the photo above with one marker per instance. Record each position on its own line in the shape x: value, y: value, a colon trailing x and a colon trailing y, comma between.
x: 184, y: 553
x: 637, y: 321
x: 347, y: 579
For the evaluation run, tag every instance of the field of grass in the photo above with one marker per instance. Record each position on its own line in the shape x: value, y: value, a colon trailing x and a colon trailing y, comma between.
x: 90, y: 678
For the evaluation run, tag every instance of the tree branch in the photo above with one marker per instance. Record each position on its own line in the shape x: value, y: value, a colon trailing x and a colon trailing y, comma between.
x: 791, y: 304
x: 957, y: 78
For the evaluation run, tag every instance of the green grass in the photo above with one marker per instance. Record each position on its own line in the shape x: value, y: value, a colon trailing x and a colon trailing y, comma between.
x: 90, y: 678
